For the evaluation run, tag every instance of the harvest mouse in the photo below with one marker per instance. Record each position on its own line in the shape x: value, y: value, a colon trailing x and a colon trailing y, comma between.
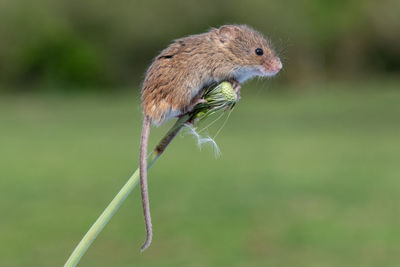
x: 175, y: 80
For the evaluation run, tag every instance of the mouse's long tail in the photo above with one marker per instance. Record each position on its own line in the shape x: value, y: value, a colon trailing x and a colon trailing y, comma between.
x: 143, y: 181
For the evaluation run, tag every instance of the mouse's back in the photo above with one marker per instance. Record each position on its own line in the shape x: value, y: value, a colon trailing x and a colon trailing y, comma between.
x: 176, y: 76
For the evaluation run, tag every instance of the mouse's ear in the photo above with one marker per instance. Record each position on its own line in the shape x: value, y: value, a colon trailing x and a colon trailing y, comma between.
x: 226, y: 33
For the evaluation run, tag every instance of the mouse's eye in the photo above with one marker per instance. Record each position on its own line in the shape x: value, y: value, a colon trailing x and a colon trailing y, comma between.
x: 259, y: 52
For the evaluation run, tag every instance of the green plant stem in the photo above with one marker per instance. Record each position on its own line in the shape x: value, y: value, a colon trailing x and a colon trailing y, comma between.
x: 114, y: 205
x: 110, y: 210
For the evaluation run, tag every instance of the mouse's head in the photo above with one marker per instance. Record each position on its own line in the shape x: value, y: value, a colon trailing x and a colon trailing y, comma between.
x: 249, y: 50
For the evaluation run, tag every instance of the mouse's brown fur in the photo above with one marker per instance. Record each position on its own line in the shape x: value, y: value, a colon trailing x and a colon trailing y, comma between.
x: 191, y: 63
x: 176, y: 77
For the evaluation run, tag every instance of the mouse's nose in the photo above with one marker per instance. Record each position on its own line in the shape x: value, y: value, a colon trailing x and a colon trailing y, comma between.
x: 276, y: 65
x: 273, y: 66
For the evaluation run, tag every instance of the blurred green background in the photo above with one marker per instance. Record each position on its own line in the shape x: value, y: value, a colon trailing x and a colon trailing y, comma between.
x: 310, y: 166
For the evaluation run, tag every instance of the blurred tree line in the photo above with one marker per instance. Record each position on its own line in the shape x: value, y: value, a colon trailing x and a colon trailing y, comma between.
x: 100, y: 44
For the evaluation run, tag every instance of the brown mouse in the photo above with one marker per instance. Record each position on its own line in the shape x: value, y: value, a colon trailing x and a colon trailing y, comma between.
x: 176, y: 78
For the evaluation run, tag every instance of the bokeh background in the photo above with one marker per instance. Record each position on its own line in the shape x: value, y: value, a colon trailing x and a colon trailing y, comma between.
x: 310, y: 166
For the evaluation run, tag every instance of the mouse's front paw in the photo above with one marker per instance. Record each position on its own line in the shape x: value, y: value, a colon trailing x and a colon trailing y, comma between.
x: 236, y: 87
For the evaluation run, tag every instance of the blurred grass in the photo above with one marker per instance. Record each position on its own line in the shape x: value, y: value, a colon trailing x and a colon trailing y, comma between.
x: 92, y: 45
x: 305, y: 179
